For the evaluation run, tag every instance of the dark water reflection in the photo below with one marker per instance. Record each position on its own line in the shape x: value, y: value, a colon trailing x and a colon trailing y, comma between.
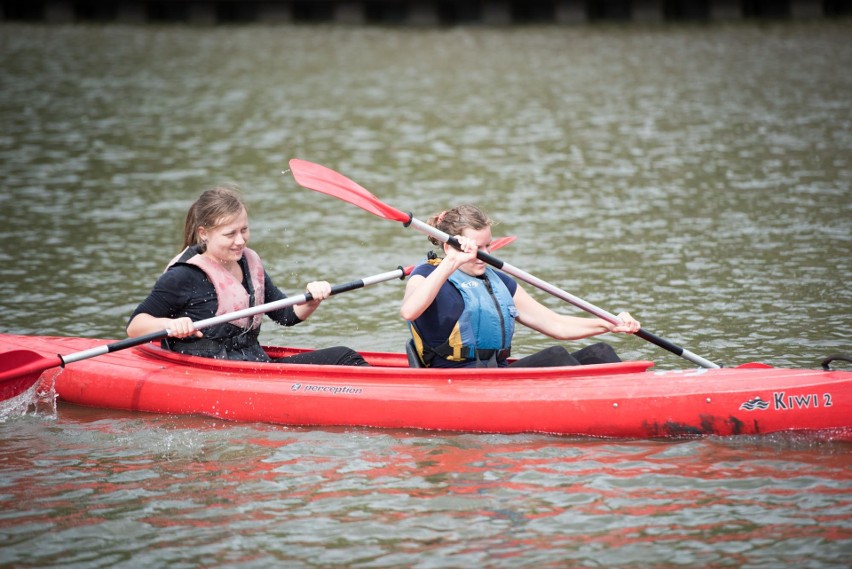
x: 107, y: 489
x: 698, y: 176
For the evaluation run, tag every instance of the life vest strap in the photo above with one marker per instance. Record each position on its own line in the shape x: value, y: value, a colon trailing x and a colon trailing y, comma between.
x: 446, y: 352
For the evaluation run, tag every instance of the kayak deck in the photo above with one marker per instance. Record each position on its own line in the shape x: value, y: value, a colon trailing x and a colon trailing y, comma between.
x: 623, y: 400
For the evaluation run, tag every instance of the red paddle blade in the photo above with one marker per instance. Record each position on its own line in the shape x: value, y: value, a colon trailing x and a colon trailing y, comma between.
x: 20, y: 369
x: 324, y: 180
x: 753, y: 365
x: 501, y: 242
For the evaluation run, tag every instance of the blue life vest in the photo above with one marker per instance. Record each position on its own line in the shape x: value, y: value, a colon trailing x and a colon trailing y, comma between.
x: 485, y: 327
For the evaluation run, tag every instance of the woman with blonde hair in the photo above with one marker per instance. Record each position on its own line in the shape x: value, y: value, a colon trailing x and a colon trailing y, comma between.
x: 217, y: 273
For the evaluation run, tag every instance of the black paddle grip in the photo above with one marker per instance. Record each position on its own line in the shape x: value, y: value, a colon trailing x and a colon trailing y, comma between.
x: 137, y: 341
x: 661, y: 342
x: 481, y: 255
x: 337, y: 289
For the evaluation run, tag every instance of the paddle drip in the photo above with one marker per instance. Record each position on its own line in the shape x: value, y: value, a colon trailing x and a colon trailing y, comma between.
x: 39, y: 400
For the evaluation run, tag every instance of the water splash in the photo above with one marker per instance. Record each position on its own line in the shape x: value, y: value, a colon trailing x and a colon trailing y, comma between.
x: 39, y: 400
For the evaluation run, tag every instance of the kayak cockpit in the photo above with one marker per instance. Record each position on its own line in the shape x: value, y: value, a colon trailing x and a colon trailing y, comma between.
x: 388, y: 362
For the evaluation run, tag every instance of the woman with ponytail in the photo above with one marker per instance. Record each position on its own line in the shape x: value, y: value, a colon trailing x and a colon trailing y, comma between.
x: 462, y: 312
x: 217, y: 273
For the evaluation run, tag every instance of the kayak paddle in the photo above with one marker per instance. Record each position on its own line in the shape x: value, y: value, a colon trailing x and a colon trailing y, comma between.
x: 324, y: 180
x: 20, y: 369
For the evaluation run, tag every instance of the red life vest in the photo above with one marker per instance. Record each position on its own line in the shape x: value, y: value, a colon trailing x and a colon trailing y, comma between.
x: 230, y: 293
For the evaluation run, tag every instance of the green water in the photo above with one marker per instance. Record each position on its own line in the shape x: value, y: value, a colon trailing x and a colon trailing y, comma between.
x: 698, y: 176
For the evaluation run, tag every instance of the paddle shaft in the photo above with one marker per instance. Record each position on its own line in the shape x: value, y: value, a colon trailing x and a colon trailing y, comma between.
x: 20, y: 369
x: 325, y: 180
x: 559, y: 293
x: 399, y: 273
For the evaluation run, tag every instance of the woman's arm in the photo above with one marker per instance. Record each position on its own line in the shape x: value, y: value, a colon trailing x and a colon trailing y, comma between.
x: 319, y: 290
x: 292, y: 315
x: 143, y: 323
x: 420, y: 292
x: 534, y: 315
x: 153, y: 314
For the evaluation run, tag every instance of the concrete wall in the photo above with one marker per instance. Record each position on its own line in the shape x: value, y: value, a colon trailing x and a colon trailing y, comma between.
x: 417, y: 12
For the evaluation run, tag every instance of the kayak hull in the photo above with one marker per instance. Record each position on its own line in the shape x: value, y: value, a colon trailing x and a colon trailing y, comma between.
x: 625, y: 400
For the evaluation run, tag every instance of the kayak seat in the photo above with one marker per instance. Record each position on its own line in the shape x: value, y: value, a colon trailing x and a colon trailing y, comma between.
x: 413, y: 358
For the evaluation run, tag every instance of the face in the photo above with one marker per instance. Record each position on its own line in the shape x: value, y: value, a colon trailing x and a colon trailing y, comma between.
x: 227, y: 240
x: 482, y: 237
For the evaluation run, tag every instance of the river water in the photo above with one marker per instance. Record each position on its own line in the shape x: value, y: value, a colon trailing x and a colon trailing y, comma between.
x: 698, y: 176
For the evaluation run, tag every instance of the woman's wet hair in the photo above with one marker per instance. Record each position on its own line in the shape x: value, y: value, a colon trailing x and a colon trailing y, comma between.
x: 213, y: 207
x: 454, y: 221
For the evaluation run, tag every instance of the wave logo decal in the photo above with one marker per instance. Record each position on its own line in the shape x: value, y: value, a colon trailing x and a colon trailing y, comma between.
x: 755, y: 404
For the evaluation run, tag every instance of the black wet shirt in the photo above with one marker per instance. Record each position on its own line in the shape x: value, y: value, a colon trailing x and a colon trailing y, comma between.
x: 185, y: 290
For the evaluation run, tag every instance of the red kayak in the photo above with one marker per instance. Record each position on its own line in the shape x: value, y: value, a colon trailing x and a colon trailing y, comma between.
x: 623, y: 400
